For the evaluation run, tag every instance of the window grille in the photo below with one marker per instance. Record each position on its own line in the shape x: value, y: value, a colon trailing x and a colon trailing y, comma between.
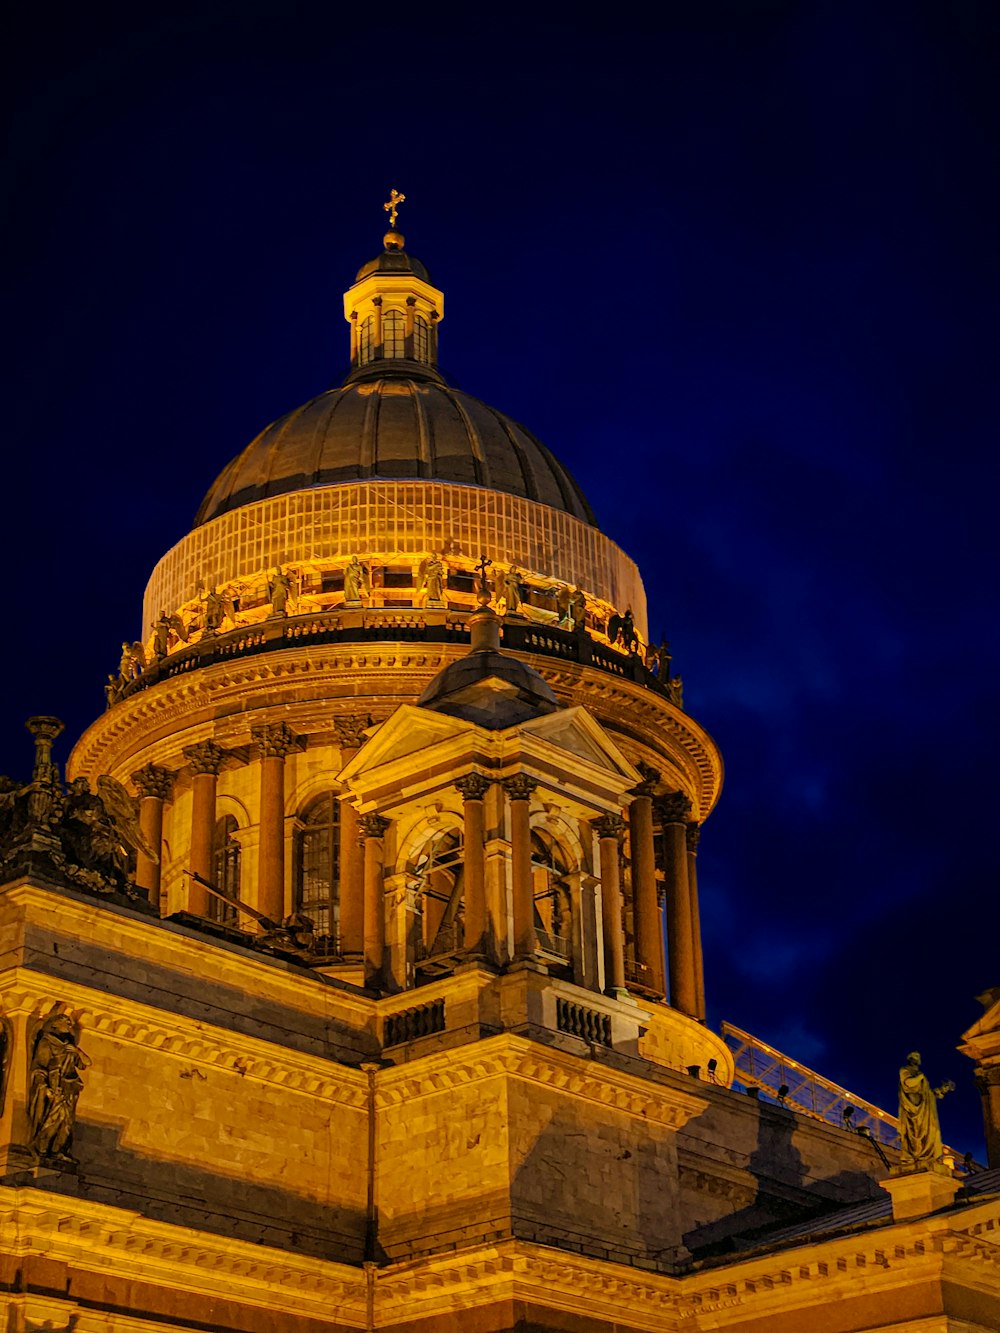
x: 226, y: 853
x: 366, y: 347
x: 393, y: 334
x: 421, y: 339
x: 317, y: 865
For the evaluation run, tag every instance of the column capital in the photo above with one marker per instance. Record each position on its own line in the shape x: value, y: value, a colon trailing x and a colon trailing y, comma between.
x: 473, y: 786
x: 674, y: 807
x: 609, y: 826
x: 372, y: 826
x: 207, y: 757
x: 154, y: 781
x: 692, y: 835
x: 520, y: 786
x: 350, y: 730
x: 276, y: 741
x: 650, y: 777
x: 987, y: 1076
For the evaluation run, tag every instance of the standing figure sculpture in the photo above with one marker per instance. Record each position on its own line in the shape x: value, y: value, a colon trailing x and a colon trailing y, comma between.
x: 55, y: 1087
x: 578, y: 608
x: 279, y: 589
x: 919, y: 1131
x: 433, y: 577
x: 215, y: 611
x: 512, y: 591
x: 356, y: 582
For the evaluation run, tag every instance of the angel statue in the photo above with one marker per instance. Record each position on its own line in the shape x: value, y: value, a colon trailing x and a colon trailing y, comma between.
x: 133, y: 662
x: 100, y: 831
x: 432, y: 578
x: 55, y: 1087
x: 279, y: 590
x: 578, y: 608
x: 357, y: 582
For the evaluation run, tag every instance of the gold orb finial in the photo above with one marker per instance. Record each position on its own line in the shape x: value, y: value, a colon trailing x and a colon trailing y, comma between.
x: 392, y: 207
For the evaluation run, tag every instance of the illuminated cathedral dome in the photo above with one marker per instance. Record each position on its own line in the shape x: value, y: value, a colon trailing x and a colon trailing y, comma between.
x: 395, y: 417
x: 397, y: 423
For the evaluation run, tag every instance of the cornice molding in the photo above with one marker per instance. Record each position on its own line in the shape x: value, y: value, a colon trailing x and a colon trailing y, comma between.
x: 510, y: 1056
x: 97, y: 1236
x: 130, y: 1022
x: 133, y: 732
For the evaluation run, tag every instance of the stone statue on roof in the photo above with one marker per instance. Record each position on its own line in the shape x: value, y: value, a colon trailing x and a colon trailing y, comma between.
x: 919, y: 1132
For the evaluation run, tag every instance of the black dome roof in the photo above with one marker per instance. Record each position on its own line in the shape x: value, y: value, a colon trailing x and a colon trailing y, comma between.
x: 402, y: 422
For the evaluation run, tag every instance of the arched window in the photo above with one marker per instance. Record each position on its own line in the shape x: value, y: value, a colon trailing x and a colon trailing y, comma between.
x: 393, y: 334
x: 421, y: 339
x: 225, y: 870
x: 317, y: 865
x: 553, y: 904
x: 439, y: 871
x: 366, y: 345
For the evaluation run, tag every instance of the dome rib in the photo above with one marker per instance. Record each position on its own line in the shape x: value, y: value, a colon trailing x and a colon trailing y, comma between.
x: 363, y: 430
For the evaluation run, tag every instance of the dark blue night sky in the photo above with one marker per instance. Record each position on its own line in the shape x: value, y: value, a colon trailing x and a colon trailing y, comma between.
x: 736, y: 265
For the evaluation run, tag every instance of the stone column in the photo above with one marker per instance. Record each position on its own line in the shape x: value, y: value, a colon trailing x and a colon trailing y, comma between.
x: 373, y: 829
x: 675, y: 809
x: 354, y: 338
x: 206, y: 759
x: 648, y: 930
x: 692, y: 837
x: 609, y: 829
x: 988, y: 1083
x: 519, y: 789
x: 350, y: 738
x: 154, y: 785
x: 473, y: 788
x: 275, y: 743
x: 378, y: 349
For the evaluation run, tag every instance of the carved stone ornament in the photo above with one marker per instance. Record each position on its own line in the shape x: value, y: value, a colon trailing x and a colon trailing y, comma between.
x: 277, y: 741
x: 54, y: 1087
x: 473, y: 786
x: 206, y: 757
x: 674, y: 808
x: 609, y: 826
x: 692, y: 835
x: 351, y: 730
x: 77, y: 836
x: 650, y: 777
x: 519, y: 787
x: 987, y: 1076
x: 154, y: 781
x: 373, y: 826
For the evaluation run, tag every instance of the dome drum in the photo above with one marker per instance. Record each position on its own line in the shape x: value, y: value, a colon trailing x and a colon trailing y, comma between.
x: 393, y: 525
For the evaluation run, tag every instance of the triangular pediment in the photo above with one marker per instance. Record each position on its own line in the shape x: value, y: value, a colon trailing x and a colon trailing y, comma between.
x: 408, y: 731
x: 578, y: 733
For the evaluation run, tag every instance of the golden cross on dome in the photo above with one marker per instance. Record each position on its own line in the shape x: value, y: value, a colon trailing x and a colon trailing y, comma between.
x: 392, y: 207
